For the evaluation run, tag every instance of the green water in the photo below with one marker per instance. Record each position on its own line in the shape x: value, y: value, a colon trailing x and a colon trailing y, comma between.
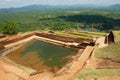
x: 49, y: 51
x: 52, y: 55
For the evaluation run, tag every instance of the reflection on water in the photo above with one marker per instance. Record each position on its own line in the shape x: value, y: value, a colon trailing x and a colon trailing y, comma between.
x: 42, y: 55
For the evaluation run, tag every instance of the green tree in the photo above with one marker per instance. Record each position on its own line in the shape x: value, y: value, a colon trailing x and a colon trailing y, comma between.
x: 10, y: 28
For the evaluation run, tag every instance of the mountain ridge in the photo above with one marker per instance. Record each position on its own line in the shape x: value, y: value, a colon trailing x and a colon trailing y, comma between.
x: 37, y: 7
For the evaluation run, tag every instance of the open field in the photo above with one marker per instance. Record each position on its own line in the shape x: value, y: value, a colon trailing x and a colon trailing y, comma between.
x: 103, y: 65
x: 96, y: 74
x: 117, y: 35
x: 110, y: 52
x: 76, y: 33
x: 80, y: 34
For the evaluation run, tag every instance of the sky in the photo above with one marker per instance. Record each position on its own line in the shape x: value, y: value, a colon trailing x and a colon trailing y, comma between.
x: 19, y: 3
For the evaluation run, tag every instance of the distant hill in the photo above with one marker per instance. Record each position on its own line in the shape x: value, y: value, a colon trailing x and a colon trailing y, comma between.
x: 30, y: 7
x: 37, y: 7
x: 116, y: 6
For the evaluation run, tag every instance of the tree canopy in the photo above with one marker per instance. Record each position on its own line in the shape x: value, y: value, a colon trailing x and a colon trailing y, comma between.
x: 10, y: 28
x: 62, y: 19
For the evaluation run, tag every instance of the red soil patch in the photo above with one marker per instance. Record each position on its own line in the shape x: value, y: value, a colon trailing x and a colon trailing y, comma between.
x: 11, y: 72
x: 14, y: 38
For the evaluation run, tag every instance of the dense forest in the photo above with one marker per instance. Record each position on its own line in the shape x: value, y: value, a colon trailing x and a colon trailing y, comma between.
x: 61, y: 19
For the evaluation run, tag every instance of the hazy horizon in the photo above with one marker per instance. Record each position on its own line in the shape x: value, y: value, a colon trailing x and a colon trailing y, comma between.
x: 21, y: 3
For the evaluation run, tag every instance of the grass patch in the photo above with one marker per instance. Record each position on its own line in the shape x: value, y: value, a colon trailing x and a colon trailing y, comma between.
x: 1, y: 34
x: 96, y: 33
x: 112, y: 51
x: 117, y: 35
x: 70, y: 35
x: 79, y: 34
x: 74, y: 33
x: 97, y: 72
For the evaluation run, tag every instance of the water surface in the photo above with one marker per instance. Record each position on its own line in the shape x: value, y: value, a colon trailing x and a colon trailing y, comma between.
x: 41, y: 55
